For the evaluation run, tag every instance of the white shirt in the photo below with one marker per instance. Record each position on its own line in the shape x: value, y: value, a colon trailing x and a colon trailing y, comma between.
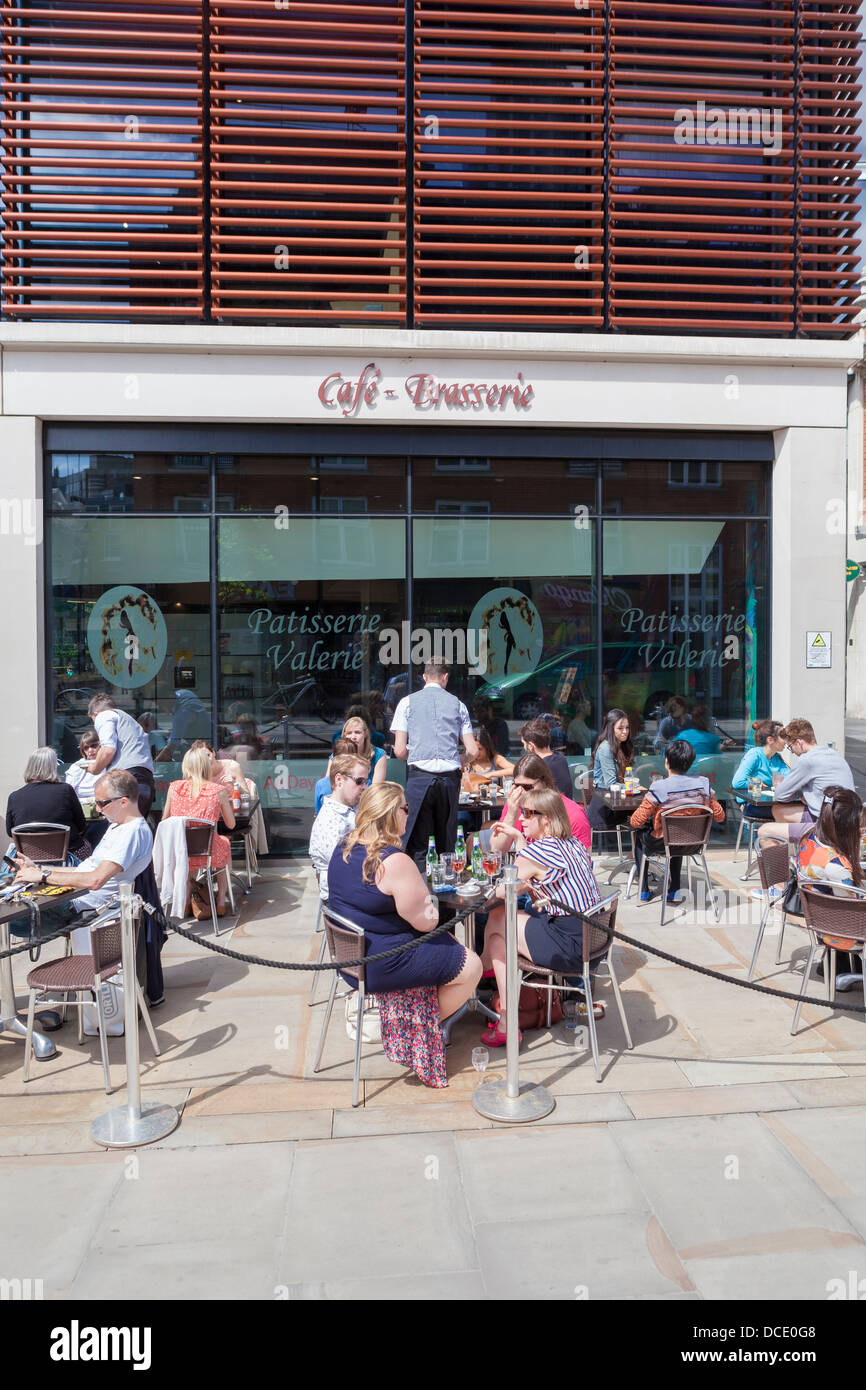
x: 82, y: 782
x: 333, y: 822
x: 400, y: 725
x: 118, y: 730
x: 131, y: 846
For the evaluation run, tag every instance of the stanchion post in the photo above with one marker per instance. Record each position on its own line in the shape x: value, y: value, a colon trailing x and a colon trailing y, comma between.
x: 508, y: 1100
x: 132, y: 1125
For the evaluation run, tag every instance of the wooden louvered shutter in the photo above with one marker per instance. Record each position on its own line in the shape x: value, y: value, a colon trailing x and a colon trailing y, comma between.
x: 702, y: 230
x: 308, y: 163
x: 100, y: 132
x: 828, y: 114
x: 508, y: 216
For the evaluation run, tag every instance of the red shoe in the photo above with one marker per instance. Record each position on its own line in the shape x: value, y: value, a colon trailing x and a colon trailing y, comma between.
x: 495, y: 1037
x: 488, y: 975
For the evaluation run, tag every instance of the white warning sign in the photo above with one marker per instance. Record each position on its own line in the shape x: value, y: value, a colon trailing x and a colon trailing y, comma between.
x: 818, y: 650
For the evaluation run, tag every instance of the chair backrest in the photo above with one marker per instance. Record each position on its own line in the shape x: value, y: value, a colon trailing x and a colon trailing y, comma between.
x: 687, y: 832
x: 595, y: 941
x: 199, y: 836
x: 586, y: 793
x: 345, y: 942
x: 105, y: 944
x: 773, y: 864
x: 42, y: 841
x: 485, y: 830
x: 832, y: 914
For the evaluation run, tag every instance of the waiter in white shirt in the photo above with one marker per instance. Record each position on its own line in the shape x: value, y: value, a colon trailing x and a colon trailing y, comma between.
x: 428, y: 728
x: 123, y: 747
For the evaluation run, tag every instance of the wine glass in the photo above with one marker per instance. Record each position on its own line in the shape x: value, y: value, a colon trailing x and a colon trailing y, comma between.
x: 459, y: 859
x: 480, y: 1058
x: 491, y: 863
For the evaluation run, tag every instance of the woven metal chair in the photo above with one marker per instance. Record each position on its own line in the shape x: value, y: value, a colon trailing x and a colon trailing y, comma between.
x: 345, y: 941
x: 685, y: 834
x: 748, y: 824
x: 199, y: 843
x: 596, y: 950
x: 322, y: 944
x: 773, y: 868
x: 838, y: 913
x: 45, y: 842
x: 82, y: 976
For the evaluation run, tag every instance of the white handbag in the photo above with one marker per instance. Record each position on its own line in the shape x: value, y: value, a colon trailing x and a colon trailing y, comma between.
x: 370, y: 1028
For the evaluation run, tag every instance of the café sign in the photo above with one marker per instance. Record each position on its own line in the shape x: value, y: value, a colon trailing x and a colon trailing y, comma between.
x: 425, y: 392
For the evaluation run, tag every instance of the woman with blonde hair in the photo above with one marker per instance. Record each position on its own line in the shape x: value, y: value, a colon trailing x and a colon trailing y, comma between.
x: 373, y: 883
x: 200, y: 798
x: 551, y: 863
x: 357, y: 731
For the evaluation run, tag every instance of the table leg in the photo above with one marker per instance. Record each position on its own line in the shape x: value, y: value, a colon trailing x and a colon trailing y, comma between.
x: 10, y: 1023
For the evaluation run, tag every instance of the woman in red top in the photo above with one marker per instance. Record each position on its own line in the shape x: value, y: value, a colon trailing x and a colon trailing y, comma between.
x: 531, y: 775
x: 200, y: 798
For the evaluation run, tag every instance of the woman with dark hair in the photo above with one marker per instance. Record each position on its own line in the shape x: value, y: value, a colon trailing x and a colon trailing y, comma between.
x: 613, y: 753
x: 830, y: 851
x: 487, y: 765
x: 760, y: 764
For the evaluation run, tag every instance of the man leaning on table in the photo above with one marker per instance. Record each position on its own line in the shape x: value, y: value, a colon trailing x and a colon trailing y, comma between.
x: 121, y: 855
x: 817, y: 766
x: 428, y: 728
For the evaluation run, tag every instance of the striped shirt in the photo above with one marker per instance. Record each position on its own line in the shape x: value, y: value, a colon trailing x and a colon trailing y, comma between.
x: 568, y: 877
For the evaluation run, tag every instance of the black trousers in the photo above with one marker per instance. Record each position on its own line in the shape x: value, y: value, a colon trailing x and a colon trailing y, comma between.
x: 645, y: 842
x: 146, y: 788
x: 434, y: 798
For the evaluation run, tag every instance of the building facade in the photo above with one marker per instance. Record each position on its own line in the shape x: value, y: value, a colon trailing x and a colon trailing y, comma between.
x: 331, y: 330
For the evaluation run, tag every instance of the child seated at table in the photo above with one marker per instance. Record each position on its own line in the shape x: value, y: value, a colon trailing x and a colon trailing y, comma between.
x: 676, y: 791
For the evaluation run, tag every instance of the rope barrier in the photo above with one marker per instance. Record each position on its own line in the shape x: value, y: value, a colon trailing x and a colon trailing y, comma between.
x: 36, y: 941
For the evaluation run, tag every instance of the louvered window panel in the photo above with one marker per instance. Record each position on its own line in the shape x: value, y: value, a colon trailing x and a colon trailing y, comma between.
x: 508, y: 189
x: 101, y: 140
x: 828, y: 121
x: 308, y: 161
x: 702, y: 166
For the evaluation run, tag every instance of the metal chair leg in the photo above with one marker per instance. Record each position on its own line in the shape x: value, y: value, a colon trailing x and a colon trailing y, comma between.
x: 812, y: 949
x: 230, y: 890
x: 665, y: 888
x: 781, y: 937
x: 830, y: 972
x: 750, y: 849
x: 593, y: 1039
x: 717, y: 911
x: 739, y: 835
x: 326, y: 1020
x: 103, y: 1038
x: 145, y: 1014
x: 619, y: 1004
x: 28, y: 1040
x: 319, y: 958
x: 80, y: 1012
x: 764, y: 915
x: 359, y: 1034
x: 210, y: 893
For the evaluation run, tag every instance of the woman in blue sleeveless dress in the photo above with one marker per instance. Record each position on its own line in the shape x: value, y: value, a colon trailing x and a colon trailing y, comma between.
x: 378, y: 887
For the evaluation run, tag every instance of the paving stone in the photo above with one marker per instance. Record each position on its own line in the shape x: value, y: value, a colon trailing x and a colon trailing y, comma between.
x: 420, y: 1288
x: 238, y: 1269
x: 710, y: 1100
x: 738, y: 1071
x: 38, y: 1239
x: 407, y: 1119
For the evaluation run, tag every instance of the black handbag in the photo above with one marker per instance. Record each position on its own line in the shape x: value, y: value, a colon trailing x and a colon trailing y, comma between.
x: 791, y: 897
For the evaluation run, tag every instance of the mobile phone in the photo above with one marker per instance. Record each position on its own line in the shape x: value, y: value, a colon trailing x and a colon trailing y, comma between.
x: 13, y: 863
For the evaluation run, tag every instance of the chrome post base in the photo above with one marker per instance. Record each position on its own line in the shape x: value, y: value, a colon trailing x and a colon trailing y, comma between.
x: 43, y: 1048
x: 491, y: 1099
x: 122, y: 1129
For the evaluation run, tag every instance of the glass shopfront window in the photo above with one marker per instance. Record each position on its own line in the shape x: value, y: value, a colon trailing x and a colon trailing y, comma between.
x: 258, y: 583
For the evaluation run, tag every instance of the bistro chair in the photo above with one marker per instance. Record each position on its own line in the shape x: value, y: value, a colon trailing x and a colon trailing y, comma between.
x: 199, y: 843
x: 597, y: 950
x: 44, y: 842
x: 685, y: 835
x: 773, y: 867
x: 841, y: 912
x: 586, y: 788
x: 345, y: 941
x: 83, y: 977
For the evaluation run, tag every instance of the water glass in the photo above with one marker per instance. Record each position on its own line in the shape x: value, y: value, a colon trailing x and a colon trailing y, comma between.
x: 437, y: 877
x: 446, y: 863
x: 507, y: 784
x: 480, y: 1058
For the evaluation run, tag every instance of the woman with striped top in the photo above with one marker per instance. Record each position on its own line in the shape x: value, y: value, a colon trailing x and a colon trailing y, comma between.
x: 550, y: 863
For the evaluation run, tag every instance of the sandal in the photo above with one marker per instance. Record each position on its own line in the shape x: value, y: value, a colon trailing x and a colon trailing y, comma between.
x: 495, y: 1037
x: 583, y: 1011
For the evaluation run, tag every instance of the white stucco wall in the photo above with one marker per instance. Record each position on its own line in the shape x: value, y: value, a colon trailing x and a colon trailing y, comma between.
x: 22, y: 726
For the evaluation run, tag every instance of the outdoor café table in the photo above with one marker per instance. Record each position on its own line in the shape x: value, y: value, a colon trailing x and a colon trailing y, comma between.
x: 623, y: 805
x: 9, y: 1020
x: 464, y: 910
x: 484, y: 808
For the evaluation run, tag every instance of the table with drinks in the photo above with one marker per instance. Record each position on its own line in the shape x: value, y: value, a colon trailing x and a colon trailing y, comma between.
x: 12, y: 908
x: 622, y: 799
x: 463, y: 887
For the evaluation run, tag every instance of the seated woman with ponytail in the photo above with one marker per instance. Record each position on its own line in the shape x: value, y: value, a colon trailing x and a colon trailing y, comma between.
x: 761, y: 763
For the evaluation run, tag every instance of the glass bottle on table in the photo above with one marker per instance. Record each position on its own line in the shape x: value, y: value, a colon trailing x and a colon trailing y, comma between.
x: 236, y: 798
x: 460, y: 852
x: 477, y: 856
x: 432, y: 858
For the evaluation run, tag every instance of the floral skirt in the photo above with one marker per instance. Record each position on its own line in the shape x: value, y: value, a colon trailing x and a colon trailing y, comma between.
x: 411, y: 1033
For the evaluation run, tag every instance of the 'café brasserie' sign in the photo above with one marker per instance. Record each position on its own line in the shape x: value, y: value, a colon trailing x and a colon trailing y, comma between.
x: 425, y: 392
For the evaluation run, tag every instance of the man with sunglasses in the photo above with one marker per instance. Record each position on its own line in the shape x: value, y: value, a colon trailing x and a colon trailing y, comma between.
x: 348, y: 777
x: 124, y: 851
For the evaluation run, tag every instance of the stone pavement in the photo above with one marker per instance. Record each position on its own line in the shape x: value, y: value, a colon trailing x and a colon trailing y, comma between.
x: 720, y: 1158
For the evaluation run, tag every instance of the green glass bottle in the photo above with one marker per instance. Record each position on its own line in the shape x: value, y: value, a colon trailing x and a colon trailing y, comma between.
x: 432, y: 858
